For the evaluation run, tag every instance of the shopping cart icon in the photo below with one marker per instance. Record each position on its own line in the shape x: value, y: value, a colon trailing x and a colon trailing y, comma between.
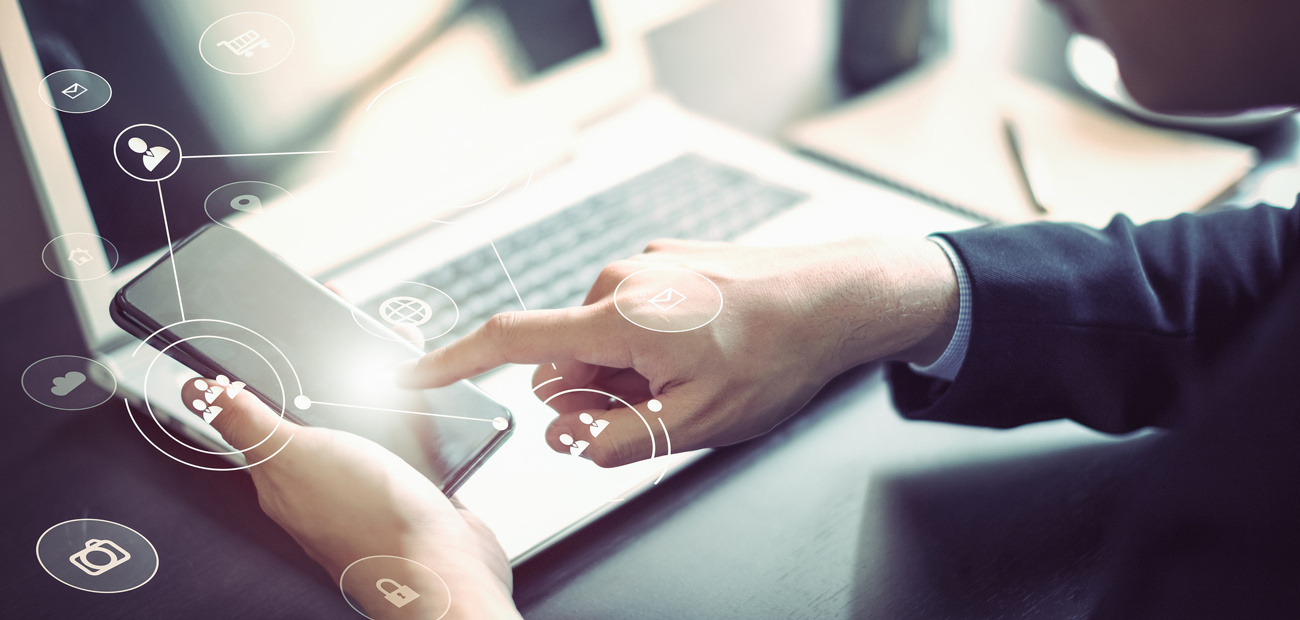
x: 243, y: 44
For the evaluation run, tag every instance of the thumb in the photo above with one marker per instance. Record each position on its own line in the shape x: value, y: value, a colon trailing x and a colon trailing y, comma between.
x: 618, y: 436
x: 245, y: 422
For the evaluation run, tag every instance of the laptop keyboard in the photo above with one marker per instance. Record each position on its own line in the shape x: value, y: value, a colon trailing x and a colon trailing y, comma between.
x: 555, y: 261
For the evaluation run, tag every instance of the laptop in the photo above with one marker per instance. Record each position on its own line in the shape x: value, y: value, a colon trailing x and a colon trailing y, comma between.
x: 491, y: 154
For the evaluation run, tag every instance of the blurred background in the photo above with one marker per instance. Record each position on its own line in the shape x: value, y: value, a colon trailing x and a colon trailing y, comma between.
x: 813, y: 56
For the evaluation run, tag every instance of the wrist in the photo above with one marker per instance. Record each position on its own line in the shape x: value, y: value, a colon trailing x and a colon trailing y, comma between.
x: 939, y: 295
x: 482, y: 606
x: 469, y: 600
x: 906, y: 302
x: 477, y: 592
x: 465, y: 589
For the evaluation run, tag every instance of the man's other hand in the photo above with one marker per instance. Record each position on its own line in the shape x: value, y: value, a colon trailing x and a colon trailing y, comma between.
x: 792, y: 318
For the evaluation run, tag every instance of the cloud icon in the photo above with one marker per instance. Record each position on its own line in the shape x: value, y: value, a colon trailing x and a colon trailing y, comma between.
x: 67, y: 383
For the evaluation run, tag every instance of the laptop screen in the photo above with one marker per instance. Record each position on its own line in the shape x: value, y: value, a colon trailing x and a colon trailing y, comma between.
x: 218, y: 108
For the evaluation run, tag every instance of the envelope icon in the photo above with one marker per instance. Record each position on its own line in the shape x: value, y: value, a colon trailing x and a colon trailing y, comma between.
x: 666, y: 299
x: 74, y: 91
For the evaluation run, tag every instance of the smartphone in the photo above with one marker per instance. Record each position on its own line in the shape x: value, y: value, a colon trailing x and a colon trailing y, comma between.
x: 223, y: 305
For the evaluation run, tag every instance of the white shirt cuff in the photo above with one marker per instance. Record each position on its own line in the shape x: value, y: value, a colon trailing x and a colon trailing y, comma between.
x: 948, y: 364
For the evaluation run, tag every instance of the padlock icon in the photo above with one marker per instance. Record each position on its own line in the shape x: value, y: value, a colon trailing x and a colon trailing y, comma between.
x: 399, y: 595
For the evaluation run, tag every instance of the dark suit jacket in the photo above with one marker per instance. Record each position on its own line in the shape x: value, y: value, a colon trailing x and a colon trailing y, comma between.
x: 1191, y: 323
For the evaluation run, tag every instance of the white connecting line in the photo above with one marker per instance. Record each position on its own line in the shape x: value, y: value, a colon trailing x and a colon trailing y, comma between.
x: 173, y: 257
x: 170, y: 253
x: 508, y: 278
x: 257, y: 154
x: 512, y: 284
x: 167, y: 227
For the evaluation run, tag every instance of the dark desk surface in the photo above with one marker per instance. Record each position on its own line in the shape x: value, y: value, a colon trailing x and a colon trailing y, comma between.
x: 846, y: 511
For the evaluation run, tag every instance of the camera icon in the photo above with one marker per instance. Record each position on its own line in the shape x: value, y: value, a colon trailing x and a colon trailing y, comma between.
x: 82, y: 559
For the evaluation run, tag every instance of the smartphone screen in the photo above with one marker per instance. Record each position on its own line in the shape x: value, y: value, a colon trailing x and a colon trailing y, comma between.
x: 306, y: 351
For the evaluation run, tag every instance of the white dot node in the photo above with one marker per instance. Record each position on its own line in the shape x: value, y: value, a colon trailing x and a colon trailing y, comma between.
x: 302, y: 402
x: 654, y: 405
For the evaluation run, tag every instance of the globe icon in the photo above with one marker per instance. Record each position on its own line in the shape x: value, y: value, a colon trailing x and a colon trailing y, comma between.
x: 405, y: 311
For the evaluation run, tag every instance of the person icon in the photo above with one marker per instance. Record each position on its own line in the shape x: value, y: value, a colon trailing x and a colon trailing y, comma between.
x: 596, y: 425
x: 151, y: 156
x: 157, y: 148
x: 575, y: 447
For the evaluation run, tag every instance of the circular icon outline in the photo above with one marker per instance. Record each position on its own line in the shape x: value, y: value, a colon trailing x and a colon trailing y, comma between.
x: 721, y: 301
x: 654, y: 405
x: 169, y: 455
x: 23, y: 381
x: 149, y: 404
x: 42, y: 88
x: 180, y: 153
x: 117, y: 256
x: 293, y: 41
x: 348, y: 599
x: 398, y: 337
x: 219, y: 222
x: 157, y: 558
x: 653, y: 444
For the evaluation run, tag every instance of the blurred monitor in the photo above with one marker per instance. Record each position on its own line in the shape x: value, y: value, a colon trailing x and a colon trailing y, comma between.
x: 343, y: 54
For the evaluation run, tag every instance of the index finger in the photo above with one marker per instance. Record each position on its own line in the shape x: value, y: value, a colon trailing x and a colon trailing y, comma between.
x: 584, y: 333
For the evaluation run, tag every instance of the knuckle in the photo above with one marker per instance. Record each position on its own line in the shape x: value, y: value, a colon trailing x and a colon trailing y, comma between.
x: 501, y: 326
x: 658, y: 245
x: 267, y: 504
x: 612, y: 272
x: 272, y: 501
x: 502, y: 332
x: 230, y: 426
x: 270, y: 496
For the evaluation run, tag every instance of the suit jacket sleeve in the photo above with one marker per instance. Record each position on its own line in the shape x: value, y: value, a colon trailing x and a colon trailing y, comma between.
x: 1101, y: 326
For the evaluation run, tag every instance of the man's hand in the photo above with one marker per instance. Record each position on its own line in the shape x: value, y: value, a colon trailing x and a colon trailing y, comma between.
x: 344, y: 498
x: 792, y: 319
